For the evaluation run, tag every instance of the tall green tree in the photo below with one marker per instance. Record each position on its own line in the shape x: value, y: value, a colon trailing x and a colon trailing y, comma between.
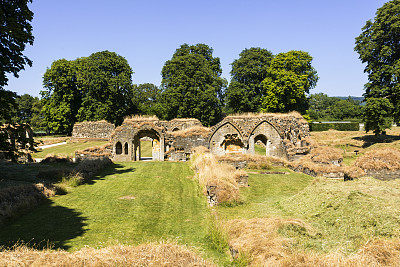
x: 192, y: 86
x: 290, y: 77
x: 379, y: 47
x: 245, y: 92
x: 15, y: 33
x: 146, y: 99
x: 378, y: 115
x: 91, y: 88
x: 62, y: 97
x: 104, y: 80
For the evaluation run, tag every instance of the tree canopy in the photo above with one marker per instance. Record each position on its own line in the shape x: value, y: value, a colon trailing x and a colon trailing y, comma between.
x: 146, y: 99
x: 15, y: 33
x: 245, y: 92
x: 104, y: 80
x: 323, y: 107
x: 379, y: 47
x: 290, y: 77
x: 90, y: 88
x: 192, y: 86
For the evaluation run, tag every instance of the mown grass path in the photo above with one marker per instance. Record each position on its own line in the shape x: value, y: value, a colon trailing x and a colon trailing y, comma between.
x: 163, y: 204
x: 67, y: 149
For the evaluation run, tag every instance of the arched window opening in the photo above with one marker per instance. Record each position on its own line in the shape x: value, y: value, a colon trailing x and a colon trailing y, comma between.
x: 118, y: 148
x: 232, y: 144
x: 261, y: 144
x: 126, y: 148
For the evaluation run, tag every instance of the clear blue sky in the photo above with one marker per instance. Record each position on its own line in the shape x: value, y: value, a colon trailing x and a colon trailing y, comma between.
x: 148, y: 32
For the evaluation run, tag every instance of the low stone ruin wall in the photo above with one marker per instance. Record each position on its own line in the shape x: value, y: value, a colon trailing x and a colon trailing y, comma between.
x: 384, y: 174
x: 93, y: 130
x: 181, y: 146
x: 93, y: 153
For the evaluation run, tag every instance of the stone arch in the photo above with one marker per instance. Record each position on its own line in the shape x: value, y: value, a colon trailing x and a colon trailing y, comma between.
x: 268, y: 134
x: 118, y: 148
x: 126, y: 150
x: 158, y: 138
x: 225, y: 137
x: 175, y: 129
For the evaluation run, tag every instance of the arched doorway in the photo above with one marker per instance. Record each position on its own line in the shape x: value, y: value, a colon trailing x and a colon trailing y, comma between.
x: 148, y: 145
x: 226, y: 138
x: 266, y: 140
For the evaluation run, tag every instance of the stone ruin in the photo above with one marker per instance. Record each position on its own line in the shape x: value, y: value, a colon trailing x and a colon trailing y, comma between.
x: 282, y: 135
x: 92, y: 130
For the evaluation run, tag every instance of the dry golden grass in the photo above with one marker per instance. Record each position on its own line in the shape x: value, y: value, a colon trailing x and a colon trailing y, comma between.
x: 142, y: 255
x: 196, y: 130
x: 294, y: 114
x: 335, y: 138
x: 101, y: 151
x: 15, y: 199
x: 51, y: 158
x: 259, y: 241
x: 375, y: 253
x: 255, y: 161
x: 185, y: 120
x: 141, y: 118
x: 211, y: 173
x: 379, y: 159
x: 325, y: 155
x: 353, y: 172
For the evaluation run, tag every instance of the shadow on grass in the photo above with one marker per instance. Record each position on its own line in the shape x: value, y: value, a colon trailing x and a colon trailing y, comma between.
x: 47, y: 225
x: 50, y: 225
x: 370, y: 140
x: 114, y: 168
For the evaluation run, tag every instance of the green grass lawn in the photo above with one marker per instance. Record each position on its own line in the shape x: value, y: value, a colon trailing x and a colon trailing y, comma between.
x: 259, y: 150
x: 67, y: 149
x: 146, y: 149
x: 264, y: 192
x: 163, y: 204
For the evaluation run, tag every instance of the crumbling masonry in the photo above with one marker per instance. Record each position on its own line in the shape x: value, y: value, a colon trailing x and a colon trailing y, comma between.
x: 282, y: 135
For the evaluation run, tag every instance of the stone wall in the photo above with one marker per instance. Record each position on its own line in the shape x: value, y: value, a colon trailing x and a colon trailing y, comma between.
x: 282, y: 135
x: 179, y: 148
x: 96, y: 130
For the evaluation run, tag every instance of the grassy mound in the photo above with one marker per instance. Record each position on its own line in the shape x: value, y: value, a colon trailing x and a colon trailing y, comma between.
x: 345, y: 214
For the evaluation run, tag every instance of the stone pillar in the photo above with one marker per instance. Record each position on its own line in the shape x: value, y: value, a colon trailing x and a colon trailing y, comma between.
x: 162, y: 149
x: 268, y: 146
x: 251, y: 149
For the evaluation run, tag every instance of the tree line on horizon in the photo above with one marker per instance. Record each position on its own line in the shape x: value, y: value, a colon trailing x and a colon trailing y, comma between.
x: 100, y: 85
